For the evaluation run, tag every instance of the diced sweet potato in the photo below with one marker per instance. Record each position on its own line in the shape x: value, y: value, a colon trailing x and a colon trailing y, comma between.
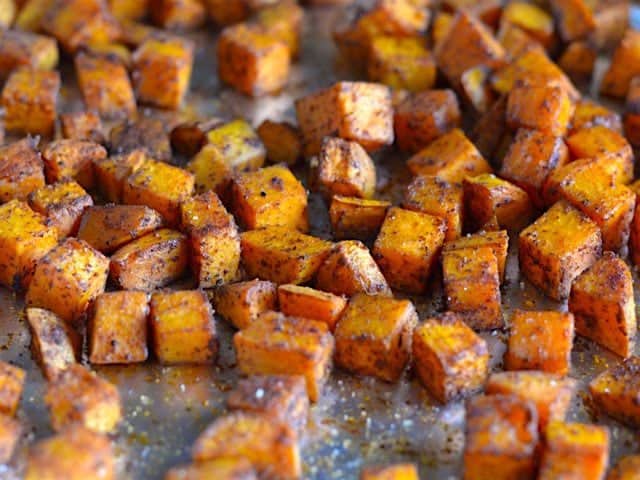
x: 501, y: 438
x: 215, y: 242
x: 400, y: 471
x: 373, y: 336
x: 151, y: 261
x: 271, y: 447
x: 75, y: 454
x: 356, y: 111
x: 64, y: 159
x: 177, y: 14
x: 160, y: 186
x: 282, y: 142
x: 422, y: 117
x: 282, y: 398
x: 252, y: 61
x: 632, y: 113
x: 223, y: 468
x: 590, y: 114
x: 398, y: 17
x: 475, y: 88
x: 498, y: 241
x: 282, y: 255
x: 407, y: 248
x: 77, y: 395
x: 282, y: 20
x: 118, y: 328
x: 241, y: 303
x: 162, y: 71
x: 558, y: 247
x: 129, y: 10
x: 269, y: 197
x: 451, y: 157
x: 231, y: 147
x: 146, y: 133
x: 111, y: 173
x: 401, y: 62
x: 616, y: 390
x: 627, y: 468
x: 578, y: 61
x: 277, y: 344
x: 551, y: 393
x: 491, y: 203
x: 576, y: 19
x: 10, y: 431
x: 516, y: 40
x: 82, y: 126
x: 31, y: 13
x: 182, y: 327
x: 67, y: 280
x: 105, y: 85
x: 450, y: 359
x: 227, y: 12
x: 55, y: 345
x: 29, y: 98
x: 472, y: 286
x: 356, y: 218
x: 21, y: 170
x: 297, y: 301
x: 20, y: 48
x: 350, y: 269
x: 612, y: 18
x: 532, y: 19
x: 625, y: 64
x: 63, y: 204
x: 540, y: 341
x: 634, y: 237
x: 545, y: 108
x: 468, y: 43
x: 490, y: 131
x: 575, y: 450
x: 11, y: 383
x: 440, y: 27
x: 188, y: 138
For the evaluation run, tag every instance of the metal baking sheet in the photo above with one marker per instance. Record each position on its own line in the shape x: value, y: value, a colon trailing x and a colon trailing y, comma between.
x: 358, y: 421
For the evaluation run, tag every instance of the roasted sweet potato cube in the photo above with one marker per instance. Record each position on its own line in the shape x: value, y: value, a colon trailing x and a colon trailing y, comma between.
x: 558, y: 247
x: 78, y: 395
x: 440, y: 26
x: 146, y: 133
x: 282, y: 20
x: 109, y: 227
x: 491, y: 203
x: 21, y: 170
x: 282, y: 142
x: 160, y: 186
x: 283, y: 398
x: 603, y: 305
x: 616, y: 391
x: 516, y: 40
x: 350, y: 269
x: 269, y: 197
x: 127, y: 10
x: 29, y: 98
x: 578, y: 61
x: 451, y: 157
x: 407, y: 248
x: 590, y: 114
x: 472, y: 286
x: 401, y: 62
x: 19, y: 48
x: 65, y: 159
x: 400, y: 471
x: 575, y: 18
x: 612, y: 19
x: 297, y: 301
x: 432, y: 195
x: 215, y: 242
x: 545, y: 108
x: 345, y: 168
x: 151, y: 261
x: 625, y: 64
x: 373, y: 336
x: 62, y: 203
x: 77, y: 23
x: 490, y: 131
x: 398, y: 17
x: 271, y: 447
x: 118, y: 328
x: 177, y: 14
x: 105, y: 85
x: 550, y: 393
x: 574, y: 450
x: 282, y: 255
x: 634, y: 237
x: 188, y: 138
x: 531, y: 158
x: 82, y: 126
x: 10, y: 431
x: 501, y: 438
x: 223, y: 468
x: 227, y: 12
x: 182, y: 327
x: 55, y: 345
x: 111, y: 173
x: 340, y: 111
x: 11, y: 383
x: 30, y: 16
x: 162, y: 71
x: 475, y: 88
x: 627, y: 468
x: 277, y: 344
x: 252, y: 61
x: 241, y: 303
x: 356, y: 218
x: 498, y: 241
x: 75, y: 454
x: 532, y: 19
x: 468, y: 43
x: 67, y: 279
x: 422, y: 117
x: 540, y: 341
x: 231, y: 147
x: 600, y: 141
x: 450, y: 359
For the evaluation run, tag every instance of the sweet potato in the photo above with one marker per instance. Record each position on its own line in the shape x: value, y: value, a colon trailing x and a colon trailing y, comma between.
x: 545, y: 108
x: 532, y: 19
x: 63, y: 204
x: 590, y: 114
x: 21, y: 170
x: 297, y: 301
x: 623, y: 67
x: 224, y: 468
x: 20, y: 48
x: 148, y: 134
x: 399, y: 471
x: 497, y: 241
x: 615, y: 391
x: 65, y: 159
x: 188, y: 138
x: 241, y: 303
x: 177, y: 14
x: 10, y: 432
x: 84, y: 125
x: 627, y: 468
x: 111, y: 173
x: 356, y: 218
x: 282, y: 20
x: 282, y: 142
x: 575, y: 18
x: 578, y: 61
x: 12, y: 381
